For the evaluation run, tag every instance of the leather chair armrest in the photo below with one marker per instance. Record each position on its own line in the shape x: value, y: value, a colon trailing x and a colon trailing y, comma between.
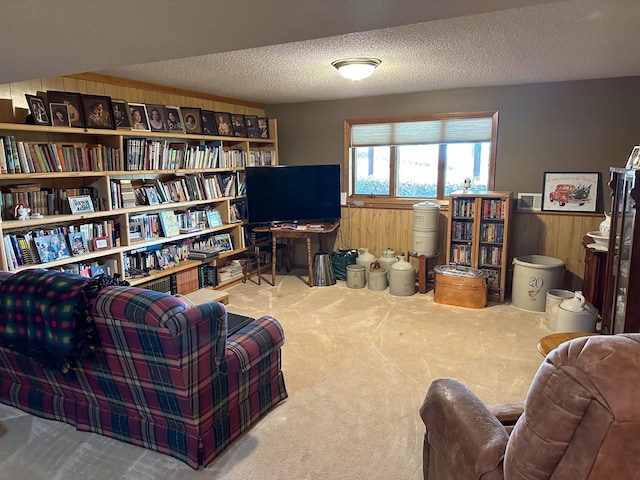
x: 462, y: 431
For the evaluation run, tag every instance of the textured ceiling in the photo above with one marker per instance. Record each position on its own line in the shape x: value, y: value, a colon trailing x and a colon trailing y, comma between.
x: 281, y: 51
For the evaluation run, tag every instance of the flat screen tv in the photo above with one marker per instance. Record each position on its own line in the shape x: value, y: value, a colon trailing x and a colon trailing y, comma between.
x: 290, y: 193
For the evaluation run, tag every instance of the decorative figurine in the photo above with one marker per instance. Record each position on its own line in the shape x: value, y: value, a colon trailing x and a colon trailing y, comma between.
x: 21, y: 211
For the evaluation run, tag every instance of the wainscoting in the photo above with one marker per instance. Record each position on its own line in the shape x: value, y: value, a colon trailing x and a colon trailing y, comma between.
x: 542, y: 233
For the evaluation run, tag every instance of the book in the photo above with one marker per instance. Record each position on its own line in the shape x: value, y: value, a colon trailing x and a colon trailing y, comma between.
x: 214, y: 219
x: 169, y: 223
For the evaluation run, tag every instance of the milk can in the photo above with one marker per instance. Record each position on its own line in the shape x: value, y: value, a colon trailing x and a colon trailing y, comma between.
x: 402, y: 278
x: 387, y: 259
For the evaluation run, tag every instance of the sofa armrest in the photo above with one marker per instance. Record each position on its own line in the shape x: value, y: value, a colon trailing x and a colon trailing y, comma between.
x: 247, y: 347
x: 462, y: 430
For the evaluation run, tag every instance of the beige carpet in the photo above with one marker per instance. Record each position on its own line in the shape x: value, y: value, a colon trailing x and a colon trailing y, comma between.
x: 357, y: 364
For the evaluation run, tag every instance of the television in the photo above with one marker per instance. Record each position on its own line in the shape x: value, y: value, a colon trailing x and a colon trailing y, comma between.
x: 293, y: 193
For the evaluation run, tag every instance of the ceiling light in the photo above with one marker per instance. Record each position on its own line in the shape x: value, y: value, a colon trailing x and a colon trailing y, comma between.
x: 356, y: 68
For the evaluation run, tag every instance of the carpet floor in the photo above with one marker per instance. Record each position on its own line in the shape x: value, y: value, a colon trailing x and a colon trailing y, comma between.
x: 356, y: 363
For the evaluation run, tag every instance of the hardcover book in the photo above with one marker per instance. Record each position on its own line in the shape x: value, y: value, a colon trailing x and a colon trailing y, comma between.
x: 169, y: 223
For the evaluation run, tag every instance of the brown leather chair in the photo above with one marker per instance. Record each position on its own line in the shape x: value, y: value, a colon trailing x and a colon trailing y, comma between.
x: 580, y: 420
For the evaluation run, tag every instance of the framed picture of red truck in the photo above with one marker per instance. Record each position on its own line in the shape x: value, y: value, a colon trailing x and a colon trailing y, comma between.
x: 570, y: 192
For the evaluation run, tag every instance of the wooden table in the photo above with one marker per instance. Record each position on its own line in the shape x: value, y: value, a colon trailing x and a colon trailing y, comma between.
x: 550, y: 342
x: 300, y: 232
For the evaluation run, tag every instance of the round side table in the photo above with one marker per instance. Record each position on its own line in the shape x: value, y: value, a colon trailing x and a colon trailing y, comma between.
x: 548, y: 343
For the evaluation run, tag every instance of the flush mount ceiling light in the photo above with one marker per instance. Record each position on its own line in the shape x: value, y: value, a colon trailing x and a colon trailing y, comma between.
x: 356, y: 68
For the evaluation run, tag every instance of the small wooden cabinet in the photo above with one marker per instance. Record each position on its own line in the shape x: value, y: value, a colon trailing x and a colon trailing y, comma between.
x: 478, y: 235
x: 594, y: 274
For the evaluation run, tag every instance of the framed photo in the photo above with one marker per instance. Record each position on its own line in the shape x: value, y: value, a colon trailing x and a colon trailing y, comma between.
x: 157, y: 118
x: 101, y: 243
x: 191, y: 119
x: 251, y: 123
x: 208, y: 122
x: 121, y: 114
x: 52, y: 247
x: 174, y: 119
x: 237, y: 124
x: 152, y: 195
x: 634, y: 158
x: 570, y: 192
x: 223, y: 123
x: 81, y: 204
x: 139, y: 118
x: 78, y: 243
x: 263, y: 127
x: 72, y: 101
x: 222, y: 243
x: 59, y: 115
x: 97, y: 111
x: 38, y: 110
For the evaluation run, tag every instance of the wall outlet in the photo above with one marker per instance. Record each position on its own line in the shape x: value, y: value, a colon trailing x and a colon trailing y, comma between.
x: 343, y: 198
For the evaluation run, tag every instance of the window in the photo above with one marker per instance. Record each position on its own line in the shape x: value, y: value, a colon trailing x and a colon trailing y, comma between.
x: 401, y: 161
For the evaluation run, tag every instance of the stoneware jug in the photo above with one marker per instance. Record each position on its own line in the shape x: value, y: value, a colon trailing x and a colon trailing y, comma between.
x: 387, y: 259
x: 356, y: 276
x: 365, y: 258
x: 377, y: 276
x: 402, y: 278
x: 576, y: 315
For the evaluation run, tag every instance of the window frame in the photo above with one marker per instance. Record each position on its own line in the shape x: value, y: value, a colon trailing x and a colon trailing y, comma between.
x: 392, y: 200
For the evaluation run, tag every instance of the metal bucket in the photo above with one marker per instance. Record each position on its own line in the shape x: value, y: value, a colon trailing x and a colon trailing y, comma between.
x: 323, y: 275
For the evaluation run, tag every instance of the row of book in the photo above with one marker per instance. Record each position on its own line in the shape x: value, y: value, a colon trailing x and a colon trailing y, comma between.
x: 492, y: 232
x: 461, y: 230
x: 37, y: 157
x: 490, y: 255
x: 58, y: 242
x: 260, y: 158
x: 143, y: 154
x: 460, y: 254
x: 493, y: 208
x: 90, y: 269
x: 463, y: 208
x: 45, y: 201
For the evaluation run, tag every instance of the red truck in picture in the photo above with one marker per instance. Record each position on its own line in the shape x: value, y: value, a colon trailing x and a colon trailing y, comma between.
x: 567, y: 193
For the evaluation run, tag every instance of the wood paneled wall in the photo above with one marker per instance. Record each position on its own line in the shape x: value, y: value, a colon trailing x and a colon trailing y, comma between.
x: 532, y: 233
x: 13, y: 105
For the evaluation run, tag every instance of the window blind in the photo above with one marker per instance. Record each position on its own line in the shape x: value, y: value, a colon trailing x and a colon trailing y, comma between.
x: 454, y: 130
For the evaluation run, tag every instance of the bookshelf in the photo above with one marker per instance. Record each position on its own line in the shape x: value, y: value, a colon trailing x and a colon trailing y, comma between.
x: 478, y: 236
x: 138, y: 183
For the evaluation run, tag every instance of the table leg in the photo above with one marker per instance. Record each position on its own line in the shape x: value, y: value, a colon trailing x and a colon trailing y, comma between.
x: 309, y: 260
x: 274, y: 240
x: 422, y: 274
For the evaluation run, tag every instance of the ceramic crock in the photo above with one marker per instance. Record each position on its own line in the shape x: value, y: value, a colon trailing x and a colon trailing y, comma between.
x: 377, y: 276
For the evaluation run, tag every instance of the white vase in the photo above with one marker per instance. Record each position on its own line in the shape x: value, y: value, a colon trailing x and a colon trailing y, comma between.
x: 605, y: 225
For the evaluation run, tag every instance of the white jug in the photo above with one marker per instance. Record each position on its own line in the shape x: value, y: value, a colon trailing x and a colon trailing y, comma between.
x: 402, y: 278
x: 576, y: 315
x: 365, y: 259
x: 605, y: 225
x: 387, y: 259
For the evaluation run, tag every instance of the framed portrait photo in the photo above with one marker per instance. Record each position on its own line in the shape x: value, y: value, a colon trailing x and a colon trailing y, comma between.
x: 38, y: 110
x: 78, y: 243
x: 121, y: 114
x: 139, y: 118
x: 223, y: 123
x: 59, y: 115
x: 174, y: 120
x: 208, y: 122
x: 52, y: 247
x: 97, y: 111
x: 157, y: 118
x: 570, y: 191
x: 72, y: 101
x: 263, y: 127
x: 237, y: 125
x: 81, y: 204
x: 251, y: 124
x: 191, y: 120
x: 634, y: 158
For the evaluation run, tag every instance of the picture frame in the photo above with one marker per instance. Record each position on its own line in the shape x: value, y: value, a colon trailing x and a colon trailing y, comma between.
x: 208, y: 122
x: 152, y: 195
x: 222, y: 242
x: 191, y: 120
x: 72, y: 101
x: 251, y: 124
x: 81, y: 204
x: 97, y: 111
x: 223, y: 124
x: 263, y: 127
x: 139, y: 117
x: 121, y: 114
x: 157, y: 118
x: 634, y: 158
x: 174, y: 119
x: 101, y: 243
x: 52, y: 247
x: 570, y: 191
x: 78, y: 243
x: 237, y: 125
x: 59, y: 115
x: 38, y: 110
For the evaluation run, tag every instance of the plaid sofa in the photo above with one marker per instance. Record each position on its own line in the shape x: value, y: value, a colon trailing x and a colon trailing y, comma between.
x: 164, y: 375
